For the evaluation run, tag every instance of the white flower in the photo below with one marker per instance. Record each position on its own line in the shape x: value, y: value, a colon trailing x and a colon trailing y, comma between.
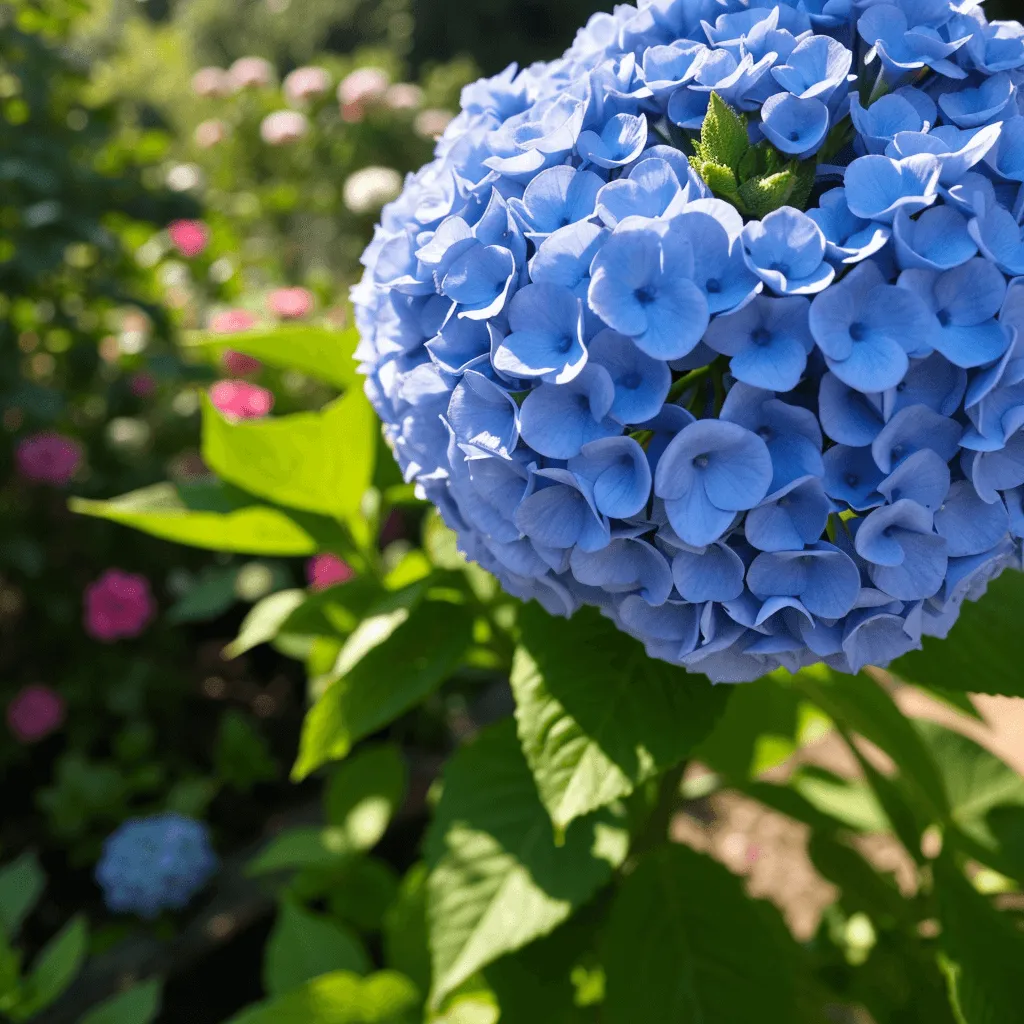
x: 364, y: 85
x: 369, y: 189
x: 211, y: 83
x: 404, y: 96
x: 251, y: 73
x: 184, y: 177
x: 283, y: 127
x: 210, y: 133
x: 304, y: 83
x: 431, y: 123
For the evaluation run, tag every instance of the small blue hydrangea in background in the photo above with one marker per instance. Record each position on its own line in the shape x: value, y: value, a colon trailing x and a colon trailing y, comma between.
x: 154, y: 864
x: 715, y: 323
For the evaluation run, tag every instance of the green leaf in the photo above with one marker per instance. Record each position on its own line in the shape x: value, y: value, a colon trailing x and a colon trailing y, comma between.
x: 596, y: 715
x: 264, y: 621
x: 364, y: 792
x: 405, y: 928
x: 315, y: 461
x: 303, y: 945
x: 211, y: 595
x: 363, y: 893
x: 204, y: 517
x: 55, y: 967
x: 340, y: 997
x: 982, y: 654
x: 392, y: 677
x: 302, y: 847
x: 498, y: 881
x: 982, y: 952
x: 685, y: 944
x: 241, y: 757
x: 139, y: 1005
x: 723, y: 139
x: 719, y: 179
x: 21, y: 884
x: 321, y: 352
x: 763, y: 195
x: 848, y: 801
x: 861, y: 705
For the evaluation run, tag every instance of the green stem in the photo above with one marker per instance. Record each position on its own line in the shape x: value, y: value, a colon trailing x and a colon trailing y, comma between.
x: 656, y: 830
x: 681, y: 386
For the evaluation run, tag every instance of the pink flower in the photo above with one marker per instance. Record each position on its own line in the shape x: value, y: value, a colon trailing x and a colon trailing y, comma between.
x: 291, y: 303
x: 189, y: 237
x: 48, y: 458
x: 303, y: 84
x: 251, y: 73
x: 210, y: 133
x: 241, y: 400
x: 232, y: 321
x: 431, y: 123
x: 210, y: 83
x: 118, y: 605
x: 34, y: 713
x: 403, y: 96
x: 238, y: 364
x: 364, y: 86
x: 283, y: 127
x: 326, y: 570
x: 142, y: 384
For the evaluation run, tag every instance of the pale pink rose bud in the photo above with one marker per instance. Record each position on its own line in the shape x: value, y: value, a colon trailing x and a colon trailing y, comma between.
x: 142, y: 384
x: 34, y: 713
x: 304, y: 84
x: 241, y: 400
x: 367, y: 190
x: 327, y: 570
x: 189, y: 237
x: 210, y: 133
x: 290, y: 303
x: 251, y: 73
x: 211, y: 83
x: 118, y: 605
x: 403, y: 96
x: 364, y: 85
x: 48, y: 458
x: 431, y: 123
x: 232, y: 321
x: 238, y: 364
x: 283, y: 127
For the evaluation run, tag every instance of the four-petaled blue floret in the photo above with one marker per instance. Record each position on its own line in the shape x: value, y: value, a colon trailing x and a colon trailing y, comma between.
x: 717, y: 323
x: 153, y: 864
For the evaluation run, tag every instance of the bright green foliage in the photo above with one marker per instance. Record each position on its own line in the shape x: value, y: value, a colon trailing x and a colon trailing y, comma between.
x: 264, y: 621
x: 596, y: 716
x: 686, y: 944
x: 363, y: 794
x: 498, y: 880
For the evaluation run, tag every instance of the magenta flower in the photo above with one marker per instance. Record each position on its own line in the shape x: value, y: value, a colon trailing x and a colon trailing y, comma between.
x: 241, y: 400
x: 34, y: 713
x: 142, y: 384
x: 48, y: 458
x: 291, y: 303
x: 238, y: 364
x: 327, y: 570
x: 232, y: 321
x: 189, y: 237
x: 118, y: 605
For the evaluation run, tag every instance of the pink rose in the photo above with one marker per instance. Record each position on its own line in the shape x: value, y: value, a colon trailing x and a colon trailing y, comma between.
x: 211, y: 83
x: 210, y: 133
x: 326, y: 570
x: 142, y: 384
x: 232, y: 321
x: 283, y: 127
x: 118, y: 605
x: 238, y: 364
x: 303, y: 84
x: 34, y: 713
x: 48, y: 458
x: 291, y: 303
x: 251, y: 73
x: 241, y: 400
x: 189, y: 237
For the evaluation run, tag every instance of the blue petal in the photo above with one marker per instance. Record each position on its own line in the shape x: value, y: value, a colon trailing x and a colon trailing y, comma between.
x: 714, y: 573
x: 619, y: 473
x: 970, y: 525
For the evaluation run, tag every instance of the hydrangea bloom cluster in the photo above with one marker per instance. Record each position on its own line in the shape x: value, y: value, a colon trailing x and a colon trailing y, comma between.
x: 153, y: 864
x: 759, y: 397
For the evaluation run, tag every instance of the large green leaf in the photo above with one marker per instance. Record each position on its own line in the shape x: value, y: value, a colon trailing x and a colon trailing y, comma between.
x: 982, y: 653
x: 21, y: 884
x: 394, y: 676
x: 55, y: 967
x: 321, y: 352
x: 596, y: 715
x: 685, y: 944
x: 303, y: 945
x: 204, y: 516
x: 861, y: 705
x: 139, y: 1005
x: 498, y: 880
x: 264, y: 621
x: 315, y: 461
x: 364, y: 792
x: 982, y: 952
x: 340, y: 997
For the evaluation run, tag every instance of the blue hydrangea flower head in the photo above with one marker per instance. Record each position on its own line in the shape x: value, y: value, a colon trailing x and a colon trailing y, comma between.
x: 153, y: 864
x: 717, y: 323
